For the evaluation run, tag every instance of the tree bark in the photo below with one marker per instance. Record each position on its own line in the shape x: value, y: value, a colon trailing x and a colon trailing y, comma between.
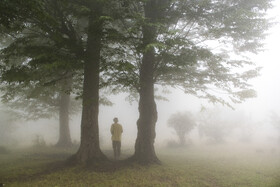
x: 64, y: 131
x: 89, y: 150
x: 144, y: 146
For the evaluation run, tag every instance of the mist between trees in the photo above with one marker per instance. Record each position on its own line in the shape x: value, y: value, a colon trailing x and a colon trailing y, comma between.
x: 214, y: 128
x: 55, y: 52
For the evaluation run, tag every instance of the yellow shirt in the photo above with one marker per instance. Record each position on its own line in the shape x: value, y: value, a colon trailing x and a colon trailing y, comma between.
x: 116, y: 131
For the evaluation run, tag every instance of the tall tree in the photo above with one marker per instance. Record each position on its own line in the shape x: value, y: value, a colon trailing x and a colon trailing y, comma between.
x: 90, y: 147
x: 197, y: 46
x: 33, y: 103
x: 173, y: 41
x: 50, y: 57
x: 144, y: 146
x: 36, y: 78
x: 77, y: 29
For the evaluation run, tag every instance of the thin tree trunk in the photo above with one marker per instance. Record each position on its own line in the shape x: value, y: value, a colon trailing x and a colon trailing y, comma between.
x: 144, y: 146
x: 64, y: 131
x: 89, y: 150
x: 182, y: 139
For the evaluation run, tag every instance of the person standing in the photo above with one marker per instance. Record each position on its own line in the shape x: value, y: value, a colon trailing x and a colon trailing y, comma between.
x: 116, y: 131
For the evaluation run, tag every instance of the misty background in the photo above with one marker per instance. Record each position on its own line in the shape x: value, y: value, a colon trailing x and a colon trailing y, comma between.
x: 254, y: 122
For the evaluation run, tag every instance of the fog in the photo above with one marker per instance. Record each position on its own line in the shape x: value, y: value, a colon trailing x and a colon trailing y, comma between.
x: 250, y: 123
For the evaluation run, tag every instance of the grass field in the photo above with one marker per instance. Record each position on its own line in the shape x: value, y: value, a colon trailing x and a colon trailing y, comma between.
x: 180, y: 167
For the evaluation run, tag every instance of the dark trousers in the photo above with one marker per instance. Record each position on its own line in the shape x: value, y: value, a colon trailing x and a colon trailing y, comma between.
x: 117, y: 149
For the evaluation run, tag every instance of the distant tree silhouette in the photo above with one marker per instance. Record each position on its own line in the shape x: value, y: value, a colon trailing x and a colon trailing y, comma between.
x: 182, y: 123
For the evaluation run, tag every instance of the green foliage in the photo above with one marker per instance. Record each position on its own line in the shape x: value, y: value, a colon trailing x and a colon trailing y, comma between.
x: 53, y: 35
x: 36, y: 63
x: 33, y: 101
x: 185, y: 33
x: 199, y: 46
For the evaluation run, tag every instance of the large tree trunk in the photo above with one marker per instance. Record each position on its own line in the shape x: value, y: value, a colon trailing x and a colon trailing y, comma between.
x: 144, y: 146
x: 64, y: 140
x: 89, y: 150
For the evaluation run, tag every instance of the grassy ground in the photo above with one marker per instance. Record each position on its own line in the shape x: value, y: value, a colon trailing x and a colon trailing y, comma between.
x: 189, y: 167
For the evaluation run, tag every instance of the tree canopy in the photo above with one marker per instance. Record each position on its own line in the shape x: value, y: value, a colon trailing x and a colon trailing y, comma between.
x: 199, y: 46
x: 61, y: 39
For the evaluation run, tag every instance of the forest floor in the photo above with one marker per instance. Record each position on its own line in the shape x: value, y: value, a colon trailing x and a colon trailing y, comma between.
x: 196, y: 167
